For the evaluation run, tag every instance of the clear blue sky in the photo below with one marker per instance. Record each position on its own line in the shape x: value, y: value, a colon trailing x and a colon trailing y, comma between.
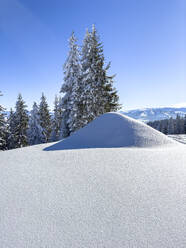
x: 144, y: 39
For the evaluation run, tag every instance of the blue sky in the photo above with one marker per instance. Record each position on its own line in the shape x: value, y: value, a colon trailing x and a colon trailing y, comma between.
x: 144, y: 39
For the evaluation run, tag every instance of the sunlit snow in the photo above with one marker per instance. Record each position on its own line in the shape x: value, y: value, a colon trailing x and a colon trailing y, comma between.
x: 127, y: 190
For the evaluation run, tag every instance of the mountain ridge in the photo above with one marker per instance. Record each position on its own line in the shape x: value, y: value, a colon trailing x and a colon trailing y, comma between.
x: 153, y: 114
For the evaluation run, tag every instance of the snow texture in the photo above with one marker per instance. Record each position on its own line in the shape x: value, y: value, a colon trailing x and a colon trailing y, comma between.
x: 113, y: 130
x: 103, y: 198
x: 178, y: 137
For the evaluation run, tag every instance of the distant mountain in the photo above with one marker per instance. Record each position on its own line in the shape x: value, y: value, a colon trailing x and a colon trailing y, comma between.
x: 153, y: 114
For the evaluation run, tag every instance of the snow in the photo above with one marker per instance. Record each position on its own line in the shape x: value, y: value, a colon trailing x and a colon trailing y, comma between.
x: 178, y: 137
x: 113, y: 130
x: 132, y: 196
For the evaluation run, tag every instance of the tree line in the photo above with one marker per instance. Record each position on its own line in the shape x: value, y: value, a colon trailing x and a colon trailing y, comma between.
x: 87, y: 92
x: 170, y: 126
x: 22, y: 128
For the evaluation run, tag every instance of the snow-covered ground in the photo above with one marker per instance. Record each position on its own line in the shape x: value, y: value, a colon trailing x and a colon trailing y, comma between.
x: 179, y: 137
x: 66, y: 195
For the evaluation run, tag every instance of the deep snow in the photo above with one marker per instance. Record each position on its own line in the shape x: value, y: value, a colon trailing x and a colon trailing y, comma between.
x: 104, y: 197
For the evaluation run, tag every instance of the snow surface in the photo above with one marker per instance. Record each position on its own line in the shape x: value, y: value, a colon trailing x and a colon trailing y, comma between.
x: 104, y: 197
x: 178, y: 137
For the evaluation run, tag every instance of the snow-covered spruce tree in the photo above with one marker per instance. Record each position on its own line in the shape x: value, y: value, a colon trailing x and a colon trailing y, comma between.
x: 35, y: 131
x: 56, y: 120
x: 99, y: 96
x: 11, y: 130
x: 86, y: 80
x: 3, y: 129
x: 45, y: 118
x: 21, y: 123
x: 71, y: 88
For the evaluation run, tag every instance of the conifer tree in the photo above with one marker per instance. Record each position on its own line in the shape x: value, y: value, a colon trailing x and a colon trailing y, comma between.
x: 21, y: 123
x: 3, y: 129
x: 11, y: 130
x: 184, y: 124
x: 179, y: 125
x: 171, y: 126
x: 45, y: 118
x: 57, y: 120
x: 35, y: 131
x: 86, y: 78
x: 71, y: 89
x: 99, y: 95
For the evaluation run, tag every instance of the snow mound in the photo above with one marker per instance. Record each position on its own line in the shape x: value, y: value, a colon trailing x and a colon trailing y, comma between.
x: 113, y: 130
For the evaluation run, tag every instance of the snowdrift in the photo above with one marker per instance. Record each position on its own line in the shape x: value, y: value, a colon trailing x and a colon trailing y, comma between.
x: 113, y: 198
x: 113, y: 130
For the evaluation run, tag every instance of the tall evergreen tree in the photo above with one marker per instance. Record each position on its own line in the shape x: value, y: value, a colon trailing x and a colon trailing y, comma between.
x: 3, y: 129
x: 179, y: 125
x: 11, y: 130
x: 184, y: 124
x: 71, y: 89
x: 57, y: 120
x: 165, y: 126
x: 35, y: 131
x: 86, y: 77
x: 45, y: 118
x: 21, y: 123
x: 99, y: 95
x: 171, y: 126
